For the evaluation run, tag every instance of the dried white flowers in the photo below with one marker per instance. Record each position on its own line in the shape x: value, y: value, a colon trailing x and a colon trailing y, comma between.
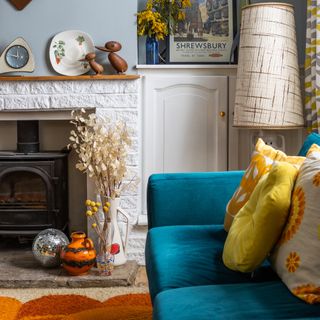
x: 102, y: 147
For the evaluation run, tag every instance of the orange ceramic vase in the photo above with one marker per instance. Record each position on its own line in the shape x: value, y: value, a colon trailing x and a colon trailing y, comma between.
x: 79, y: 256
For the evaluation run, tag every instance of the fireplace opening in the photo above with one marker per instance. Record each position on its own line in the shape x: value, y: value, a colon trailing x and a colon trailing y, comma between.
x: 33, y: 186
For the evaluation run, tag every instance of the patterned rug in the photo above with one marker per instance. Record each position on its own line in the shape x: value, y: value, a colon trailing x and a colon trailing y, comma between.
x: 77, y: 307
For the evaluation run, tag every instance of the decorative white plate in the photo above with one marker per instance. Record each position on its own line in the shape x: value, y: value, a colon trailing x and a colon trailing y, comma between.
x: 67, y: 48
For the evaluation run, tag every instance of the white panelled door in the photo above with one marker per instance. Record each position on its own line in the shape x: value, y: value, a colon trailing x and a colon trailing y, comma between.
x: 185, y: 124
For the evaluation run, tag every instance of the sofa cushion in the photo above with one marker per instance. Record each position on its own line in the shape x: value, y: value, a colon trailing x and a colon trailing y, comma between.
x: 258, y: 225
x: 266, y: 300
x: 181, y: 256
x: 296, y: 255
x: 261, y: 163
x: 308, y: 142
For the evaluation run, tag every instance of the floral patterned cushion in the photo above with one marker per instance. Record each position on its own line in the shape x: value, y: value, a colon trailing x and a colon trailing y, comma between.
x: 261, y: 163
x: 296, y: 256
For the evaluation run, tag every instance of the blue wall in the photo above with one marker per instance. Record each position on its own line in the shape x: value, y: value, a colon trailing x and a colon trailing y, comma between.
x: 103, y: 19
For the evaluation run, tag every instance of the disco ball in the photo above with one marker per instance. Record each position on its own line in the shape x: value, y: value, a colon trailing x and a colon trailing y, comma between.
x: 47, y: 245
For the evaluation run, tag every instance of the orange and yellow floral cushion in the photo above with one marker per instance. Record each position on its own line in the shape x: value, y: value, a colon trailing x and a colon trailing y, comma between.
x: 260, y: 164
x: 296, y: 256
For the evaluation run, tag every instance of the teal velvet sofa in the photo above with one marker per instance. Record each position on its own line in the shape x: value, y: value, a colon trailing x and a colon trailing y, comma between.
x: 187, y: 278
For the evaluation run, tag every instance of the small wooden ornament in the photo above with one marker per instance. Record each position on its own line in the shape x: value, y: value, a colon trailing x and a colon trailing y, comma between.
x: 118, y: 63
x: 95, y: 66
x: 20, y: 4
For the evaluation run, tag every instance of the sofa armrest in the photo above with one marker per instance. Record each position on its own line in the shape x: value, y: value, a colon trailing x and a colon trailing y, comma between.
x: 190, y: 198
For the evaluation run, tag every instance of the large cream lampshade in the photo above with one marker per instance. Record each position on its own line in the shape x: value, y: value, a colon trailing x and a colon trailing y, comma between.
x: 268, y: 93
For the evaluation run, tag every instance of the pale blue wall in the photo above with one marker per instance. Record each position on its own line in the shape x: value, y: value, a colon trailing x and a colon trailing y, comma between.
x: 103, y: 19
x: 300, y: 13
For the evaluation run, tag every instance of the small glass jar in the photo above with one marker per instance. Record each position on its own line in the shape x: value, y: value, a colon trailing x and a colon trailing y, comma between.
x: 105, y: 263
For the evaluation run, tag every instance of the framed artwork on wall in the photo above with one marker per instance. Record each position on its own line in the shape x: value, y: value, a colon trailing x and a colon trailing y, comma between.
x: 206, y: 35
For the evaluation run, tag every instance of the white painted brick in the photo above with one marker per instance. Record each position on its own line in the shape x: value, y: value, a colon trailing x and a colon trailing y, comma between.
x: 130, y: 192
x: 129, y: 116
x: 23, y: 102
x: 93, y: 100
x: 137, y: 256
x: 133, y: 159
x: 134, y: 148
x: 107, y: 87
x: 135, y: 244
x: 136, y: 247
x: 80, y: 87
x: 128, y: 202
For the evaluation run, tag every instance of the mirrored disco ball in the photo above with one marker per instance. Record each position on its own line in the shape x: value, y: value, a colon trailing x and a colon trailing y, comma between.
x: 47, y: 245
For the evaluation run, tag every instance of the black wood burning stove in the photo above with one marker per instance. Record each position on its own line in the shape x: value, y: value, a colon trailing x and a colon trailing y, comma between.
x: 33, y: 186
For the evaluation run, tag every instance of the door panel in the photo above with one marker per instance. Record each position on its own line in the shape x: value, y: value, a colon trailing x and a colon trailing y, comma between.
x: 183, y: 130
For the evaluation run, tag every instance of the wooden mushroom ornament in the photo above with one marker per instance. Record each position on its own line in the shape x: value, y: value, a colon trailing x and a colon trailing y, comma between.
x: 95, y: 66
x: 118, y: 63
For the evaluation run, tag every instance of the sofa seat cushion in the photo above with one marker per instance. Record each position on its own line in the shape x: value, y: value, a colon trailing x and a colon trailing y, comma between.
x: 264, y: 300
x: 182, y: 256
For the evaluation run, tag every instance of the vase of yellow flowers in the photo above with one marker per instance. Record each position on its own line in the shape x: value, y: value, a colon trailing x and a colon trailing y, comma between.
x: 102, y: 147
x: 157, y: 20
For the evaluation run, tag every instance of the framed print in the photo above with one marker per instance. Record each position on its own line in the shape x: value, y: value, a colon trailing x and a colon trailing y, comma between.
x: 206, y: 34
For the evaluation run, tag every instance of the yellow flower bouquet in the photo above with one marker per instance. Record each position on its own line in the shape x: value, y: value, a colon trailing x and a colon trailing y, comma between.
x: 160, y: 17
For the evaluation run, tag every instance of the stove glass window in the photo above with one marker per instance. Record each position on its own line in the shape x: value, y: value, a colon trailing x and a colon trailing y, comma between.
x: 23, y: 190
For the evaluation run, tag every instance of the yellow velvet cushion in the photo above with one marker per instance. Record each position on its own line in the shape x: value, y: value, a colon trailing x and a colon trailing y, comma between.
x: 259, y: 224
x: 261, y: 163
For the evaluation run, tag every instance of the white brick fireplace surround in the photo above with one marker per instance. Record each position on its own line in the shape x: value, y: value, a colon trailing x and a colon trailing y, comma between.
x: 54, y: 97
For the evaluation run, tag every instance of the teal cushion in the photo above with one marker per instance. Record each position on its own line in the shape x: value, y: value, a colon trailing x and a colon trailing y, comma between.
x: 266, y: 300
x: 310, y: 140
x: 182, y: 256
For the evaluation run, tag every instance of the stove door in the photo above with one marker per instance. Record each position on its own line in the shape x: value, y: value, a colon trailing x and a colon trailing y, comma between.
x: 25, y: 200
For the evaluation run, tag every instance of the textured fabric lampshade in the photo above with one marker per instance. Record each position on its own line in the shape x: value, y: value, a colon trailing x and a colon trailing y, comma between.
x: 268, y: 93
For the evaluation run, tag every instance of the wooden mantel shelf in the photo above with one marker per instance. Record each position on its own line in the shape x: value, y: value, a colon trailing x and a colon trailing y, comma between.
x: 70, y: 78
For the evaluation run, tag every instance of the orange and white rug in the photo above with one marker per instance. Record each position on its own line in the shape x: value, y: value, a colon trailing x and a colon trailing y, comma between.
x: 77, y: 307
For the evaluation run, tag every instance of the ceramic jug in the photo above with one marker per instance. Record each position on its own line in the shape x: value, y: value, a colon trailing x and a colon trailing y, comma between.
x: 79, y: 256
x: 115, y: 210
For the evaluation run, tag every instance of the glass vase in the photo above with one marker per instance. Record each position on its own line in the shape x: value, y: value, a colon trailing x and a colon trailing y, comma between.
x: 105, y: 263
x: 105, y: 258
x: 152, y: 50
